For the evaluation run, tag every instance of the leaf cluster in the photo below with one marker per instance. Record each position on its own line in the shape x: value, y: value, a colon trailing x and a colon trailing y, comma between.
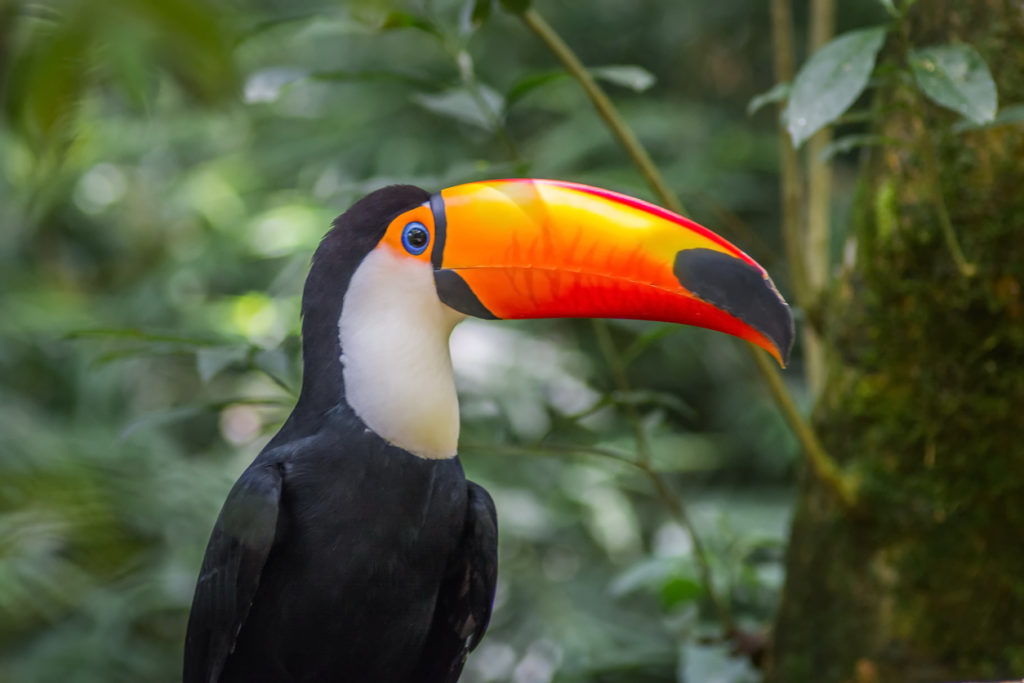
x: 954, y: 76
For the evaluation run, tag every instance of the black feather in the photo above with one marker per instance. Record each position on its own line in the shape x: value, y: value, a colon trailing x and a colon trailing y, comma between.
x: 465, y: 599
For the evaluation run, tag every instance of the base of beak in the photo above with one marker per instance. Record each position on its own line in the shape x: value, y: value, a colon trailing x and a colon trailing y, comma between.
x: 457, y: 294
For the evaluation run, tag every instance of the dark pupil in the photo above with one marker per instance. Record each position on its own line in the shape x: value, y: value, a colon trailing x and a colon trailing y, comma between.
x: 417, y: 237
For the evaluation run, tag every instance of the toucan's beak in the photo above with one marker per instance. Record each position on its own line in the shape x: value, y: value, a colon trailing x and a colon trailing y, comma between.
x: 551, y: 249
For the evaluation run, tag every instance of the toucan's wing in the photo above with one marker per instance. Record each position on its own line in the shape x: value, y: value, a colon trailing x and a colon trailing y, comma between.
x: 466, y: 596
x: 238, y: 549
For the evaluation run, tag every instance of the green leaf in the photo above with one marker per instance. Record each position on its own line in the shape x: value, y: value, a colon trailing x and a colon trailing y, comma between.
x: 396, y: 20
x: 266, y: 85
x: 699, y: 662
x: 850, y: 142
x: 288, y: 21
x: 140, y: 352
x: 46, y: 81
x: 642, y: 342
x: 210, y: 362
x: 650, y: 398
x: 515, y: 6
x: 890, y: 7
x: 481, y: 10
x: 162, y: 417
x: 1007, y: 116
x: 531, y: 82
x: 831, y: 80
x: 276, y: 365
x: 131, y: 70
x: 635, y: 78
x: 778, y: 93
x: 135, y: 334
x: 370, y: 75
x: 676, y: 452
x: 680, y: 589
x: 956, y: 77
x: 195, y: 45
x: 461, y: 105
x: 648, y: 574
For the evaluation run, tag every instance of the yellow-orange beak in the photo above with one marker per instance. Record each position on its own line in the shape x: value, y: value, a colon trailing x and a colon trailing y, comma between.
x: 549, y: 249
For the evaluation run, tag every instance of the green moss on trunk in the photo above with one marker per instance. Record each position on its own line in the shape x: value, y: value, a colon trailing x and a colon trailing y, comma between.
x: 925, y: 400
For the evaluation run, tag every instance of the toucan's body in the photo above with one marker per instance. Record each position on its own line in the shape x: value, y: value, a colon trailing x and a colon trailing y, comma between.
x: 353, y: 548
x: 378, y: 533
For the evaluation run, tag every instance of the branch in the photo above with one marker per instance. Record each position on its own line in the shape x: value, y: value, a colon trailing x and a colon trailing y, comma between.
x: 605, y: 109
x: 818, y: 460
x: 661, y: 487
x: 843, y: 486
x: 678, y: 511
x: 819, y: 172
x: 792, y: 181
x: 819, y: 206
x: 616, y: 366
x: 966, y: 268
x: 926, y: 146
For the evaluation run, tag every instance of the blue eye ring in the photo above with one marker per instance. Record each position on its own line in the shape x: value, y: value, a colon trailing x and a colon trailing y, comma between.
x: 415, y: 238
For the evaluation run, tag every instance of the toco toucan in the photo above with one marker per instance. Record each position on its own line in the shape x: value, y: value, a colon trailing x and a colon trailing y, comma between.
x: 353, y: 548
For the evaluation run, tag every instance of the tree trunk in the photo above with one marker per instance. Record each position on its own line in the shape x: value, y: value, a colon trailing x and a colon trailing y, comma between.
x: 924, y: 397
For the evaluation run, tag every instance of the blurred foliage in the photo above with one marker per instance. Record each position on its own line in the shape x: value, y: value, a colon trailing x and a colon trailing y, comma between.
x: 168, y: 167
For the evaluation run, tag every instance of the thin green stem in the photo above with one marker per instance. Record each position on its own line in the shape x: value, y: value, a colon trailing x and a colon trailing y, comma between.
x: 843, y: 486
x: 615, y: 365
x: 700, y: 553
x: 605, y: 109
x: 661, y: 487
x: 926, y: 147
x: 819, y: 172
x: 810, y: 445
x: 792, y: 180
x: 931, y: 160
x: 819, y: 207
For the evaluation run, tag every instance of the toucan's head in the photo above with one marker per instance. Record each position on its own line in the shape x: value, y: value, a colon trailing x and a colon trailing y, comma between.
x: 406, y: 266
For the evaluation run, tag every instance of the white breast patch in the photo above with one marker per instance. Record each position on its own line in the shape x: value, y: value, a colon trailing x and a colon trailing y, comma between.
x: 397, y: 367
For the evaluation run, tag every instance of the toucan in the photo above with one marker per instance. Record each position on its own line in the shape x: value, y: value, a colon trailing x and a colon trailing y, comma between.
x: 353, y: 548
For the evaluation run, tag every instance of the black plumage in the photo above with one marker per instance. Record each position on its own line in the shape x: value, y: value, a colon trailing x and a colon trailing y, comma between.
x: 338, y: 556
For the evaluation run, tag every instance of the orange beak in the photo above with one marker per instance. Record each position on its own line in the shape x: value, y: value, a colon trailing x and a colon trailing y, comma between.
x: 550, y: 249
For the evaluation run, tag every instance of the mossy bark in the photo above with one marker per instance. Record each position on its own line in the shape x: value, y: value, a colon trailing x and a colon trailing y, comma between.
x: 924, y: 398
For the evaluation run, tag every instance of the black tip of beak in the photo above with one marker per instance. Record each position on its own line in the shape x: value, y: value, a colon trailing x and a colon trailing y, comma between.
x: 739, y: 289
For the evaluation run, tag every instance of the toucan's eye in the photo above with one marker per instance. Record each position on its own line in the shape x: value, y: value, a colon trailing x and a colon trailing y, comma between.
x: 415, y: 238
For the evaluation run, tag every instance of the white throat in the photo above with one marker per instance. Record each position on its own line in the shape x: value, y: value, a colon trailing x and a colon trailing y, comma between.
x: 397, y: 367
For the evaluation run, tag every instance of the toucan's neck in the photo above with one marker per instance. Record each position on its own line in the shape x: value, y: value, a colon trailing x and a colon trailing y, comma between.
x: 380, y: 348
x: 323, y: 387
x: 396, y: 368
